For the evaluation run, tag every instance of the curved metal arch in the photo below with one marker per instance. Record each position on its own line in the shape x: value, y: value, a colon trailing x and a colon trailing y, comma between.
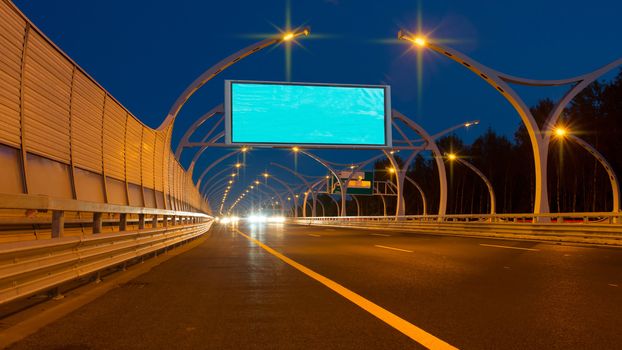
x: 215, y: 175
x: 327, y: 166
x: 203, y: 148
x: 423, y: 199
x: 276, y: 193
x: 306, y: 183
x: 438, y: 158
x: 217, y: 69
x: 491, y: 191
x: 358, y: 205
x: 613, y: 179
x: 289, y: 189
x: 213, y: 164
x: 540, y: 138
x: 197, y: 123
x: 216, y: 185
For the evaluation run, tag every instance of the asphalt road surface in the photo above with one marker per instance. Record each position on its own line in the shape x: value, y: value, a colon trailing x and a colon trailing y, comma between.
x: 332, y: 288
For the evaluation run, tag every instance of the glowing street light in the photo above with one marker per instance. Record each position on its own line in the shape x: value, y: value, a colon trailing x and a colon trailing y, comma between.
x: 560, y: 131
x: 289, y: 36
x: 238, y: 165
x: 391, y: 170
x: 265, y: 175
x: 452, y: 156
x: 295, y: 149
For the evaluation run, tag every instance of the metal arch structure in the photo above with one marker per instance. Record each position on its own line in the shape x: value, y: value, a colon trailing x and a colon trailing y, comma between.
x: 327, y: 166
x: 540, y: 137
x: 213, y: 164
x: 314, y: 194
x: 193, y: 128
x: 304, y: 181
x: 437, y: 155
x: 216, y: 69
x: 289, y: 190
x: 491, y: 191
x: 423, y: 199
x: 276, y: 193
x: 613, y: 179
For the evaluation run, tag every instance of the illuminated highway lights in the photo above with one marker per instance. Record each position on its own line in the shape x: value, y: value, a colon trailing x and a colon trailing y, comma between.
x: 265, y: 175
x: 288, y: 36
x: 452, y: 156
x: 295, y: 149
x: 561, y: 132
x: 420, y: 41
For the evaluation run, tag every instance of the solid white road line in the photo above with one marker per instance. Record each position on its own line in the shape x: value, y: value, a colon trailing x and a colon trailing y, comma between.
x: 379, y: 234
x: 509, y: 247
x: 398, y: 249
x: 410, y: 330
x: 313, y: 235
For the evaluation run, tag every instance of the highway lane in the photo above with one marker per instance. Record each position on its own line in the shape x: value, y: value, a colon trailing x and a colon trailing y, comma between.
x: 471, y: 293
x: 226, y: 293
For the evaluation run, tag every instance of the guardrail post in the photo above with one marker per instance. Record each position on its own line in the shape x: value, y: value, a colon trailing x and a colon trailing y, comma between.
x: 165, y: 221
x: 122, y: 222
x: 97, y: 222
x: 141, y: 221
x: 58, y: 223
x: 154, y: 221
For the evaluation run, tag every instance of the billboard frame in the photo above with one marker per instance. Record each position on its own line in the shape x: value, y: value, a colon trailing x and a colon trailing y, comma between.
x: 387, y: 113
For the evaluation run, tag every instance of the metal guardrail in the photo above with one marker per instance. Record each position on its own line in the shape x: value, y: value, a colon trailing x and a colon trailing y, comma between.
x: 31, y: 267
x: 585, y: 227
x: 586, y: 218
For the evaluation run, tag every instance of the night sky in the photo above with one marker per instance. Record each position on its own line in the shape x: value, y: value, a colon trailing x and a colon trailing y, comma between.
x: 146, y: 52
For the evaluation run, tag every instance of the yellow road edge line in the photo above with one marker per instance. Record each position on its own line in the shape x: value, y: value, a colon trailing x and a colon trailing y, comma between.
x: 379, y: 234
x: 398, y: 249
x: 313, y: 235
x: 413, y: 332
x: 508, y: 247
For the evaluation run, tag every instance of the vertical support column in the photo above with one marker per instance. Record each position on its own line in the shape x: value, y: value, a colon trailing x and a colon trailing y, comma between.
x: 97, y: 222
x: 122, y: 222
x: 164, y: 221
x: 141, y: 221
x: 154, y: 221
x: 58, y: 223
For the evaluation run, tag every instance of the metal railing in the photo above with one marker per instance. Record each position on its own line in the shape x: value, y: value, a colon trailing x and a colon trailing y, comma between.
x: 603, y: 228
x: 30, y: 264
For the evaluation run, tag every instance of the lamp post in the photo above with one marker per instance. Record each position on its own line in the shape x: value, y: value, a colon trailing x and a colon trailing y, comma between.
x: 491, y: 192
x: 540, y: 137
x: 562, y: 133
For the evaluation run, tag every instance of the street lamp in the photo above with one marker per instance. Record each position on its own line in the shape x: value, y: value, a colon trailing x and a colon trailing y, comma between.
x: 563, y: 133
x: 453, y: 157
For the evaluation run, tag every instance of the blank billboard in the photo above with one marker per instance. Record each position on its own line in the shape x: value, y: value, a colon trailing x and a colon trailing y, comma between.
x: 321, y: 115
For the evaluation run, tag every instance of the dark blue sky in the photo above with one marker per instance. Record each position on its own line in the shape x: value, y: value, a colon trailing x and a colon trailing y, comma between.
x: 146, y: 52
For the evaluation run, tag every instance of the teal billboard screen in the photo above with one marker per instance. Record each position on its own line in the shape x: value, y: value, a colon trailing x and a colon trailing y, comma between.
x: 280, y: 114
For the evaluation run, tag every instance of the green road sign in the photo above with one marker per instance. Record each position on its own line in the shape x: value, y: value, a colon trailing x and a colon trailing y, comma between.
x: 362, y: 182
